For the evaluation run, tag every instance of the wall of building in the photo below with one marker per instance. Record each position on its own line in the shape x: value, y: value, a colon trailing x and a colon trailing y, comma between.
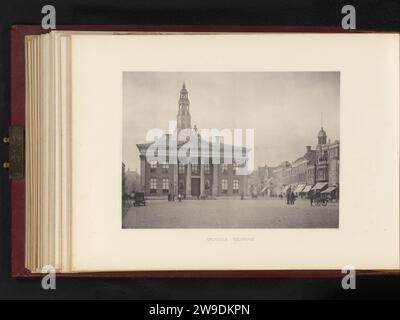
x: 334, y: 156
x: 161, y: 173
x: 310, y: 180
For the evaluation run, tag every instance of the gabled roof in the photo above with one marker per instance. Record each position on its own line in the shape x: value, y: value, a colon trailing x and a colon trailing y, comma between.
x: 309, y: 156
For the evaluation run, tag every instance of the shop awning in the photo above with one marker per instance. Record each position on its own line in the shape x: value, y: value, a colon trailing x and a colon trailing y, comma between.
x: 286, y: 188
x: 299, y: 188
x: 264, y: 189
x: 319, y: 186
x: 306, y: 189
x: 329, y: 190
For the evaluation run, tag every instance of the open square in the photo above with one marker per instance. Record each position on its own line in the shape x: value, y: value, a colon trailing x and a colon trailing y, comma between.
x: 232, y: 213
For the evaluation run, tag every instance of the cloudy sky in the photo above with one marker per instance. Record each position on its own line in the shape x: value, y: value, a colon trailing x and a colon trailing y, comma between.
x: 283, y: 108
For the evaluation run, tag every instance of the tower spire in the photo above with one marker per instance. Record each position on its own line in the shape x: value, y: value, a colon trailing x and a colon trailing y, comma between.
x: 322, y: 133
x: 183, y: 117
x: 322, y: 119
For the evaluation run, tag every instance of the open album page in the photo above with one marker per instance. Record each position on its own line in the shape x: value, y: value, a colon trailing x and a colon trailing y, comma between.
x: 313, y: 179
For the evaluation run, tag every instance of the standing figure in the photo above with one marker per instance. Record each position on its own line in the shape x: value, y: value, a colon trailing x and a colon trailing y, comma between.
x: 292, y: 198
x: 311, y: 198
x: 288, y: 193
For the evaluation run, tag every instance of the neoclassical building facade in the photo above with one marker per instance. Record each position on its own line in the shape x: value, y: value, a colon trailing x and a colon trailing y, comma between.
x: 203, y: 178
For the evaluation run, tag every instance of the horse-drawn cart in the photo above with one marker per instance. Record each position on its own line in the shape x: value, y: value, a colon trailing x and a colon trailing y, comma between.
x: 139, y: 199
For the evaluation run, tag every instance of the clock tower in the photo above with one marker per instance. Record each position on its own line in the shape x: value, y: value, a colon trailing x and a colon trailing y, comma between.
x: 183, y: 117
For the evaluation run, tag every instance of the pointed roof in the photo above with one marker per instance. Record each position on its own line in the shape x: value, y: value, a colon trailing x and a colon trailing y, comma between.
x: 322, y: 133
x: 183, y: 90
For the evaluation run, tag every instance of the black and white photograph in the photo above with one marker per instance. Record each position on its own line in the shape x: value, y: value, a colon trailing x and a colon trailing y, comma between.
x: 231, y: 150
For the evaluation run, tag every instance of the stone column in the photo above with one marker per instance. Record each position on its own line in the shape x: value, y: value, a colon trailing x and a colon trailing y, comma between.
x: 142, y: 173
x: 189, y: 181
x: 202, y: 182
x: 175, y: 182
x: 214, y: 190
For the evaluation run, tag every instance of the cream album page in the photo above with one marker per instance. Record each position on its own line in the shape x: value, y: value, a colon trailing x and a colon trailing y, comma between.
x: 312, y: 181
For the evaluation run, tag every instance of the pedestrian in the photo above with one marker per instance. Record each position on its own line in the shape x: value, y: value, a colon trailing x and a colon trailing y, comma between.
x: 288, y: 192
x: 292, y: 198
x: 311, y: 198
x: 180, y: 197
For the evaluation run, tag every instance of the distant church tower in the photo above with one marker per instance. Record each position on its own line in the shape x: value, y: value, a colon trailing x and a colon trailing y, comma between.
x: 183, y: 117
x: 322, y: 133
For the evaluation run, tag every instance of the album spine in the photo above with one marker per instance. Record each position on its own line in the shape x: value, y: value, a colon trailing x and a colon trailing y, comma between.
x: 17, y: 186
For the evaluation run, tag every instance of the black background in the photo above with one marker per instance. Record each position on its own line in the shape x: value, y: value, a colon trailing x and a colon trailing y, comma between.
x: 371, y: 15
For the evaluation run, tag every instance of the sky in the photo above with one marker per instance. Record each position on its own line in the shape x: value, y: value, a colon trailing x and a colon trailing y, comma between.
x: 283, y: 108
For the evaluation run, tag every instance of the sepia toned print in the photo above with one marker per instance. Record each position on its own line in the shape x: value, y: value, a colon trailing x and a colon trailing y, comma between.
x: 231, y: 150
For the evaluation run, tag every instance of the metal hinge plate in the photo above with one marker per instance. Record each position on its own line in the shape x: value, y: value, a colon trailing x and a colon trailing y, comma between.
x: 16, y: 164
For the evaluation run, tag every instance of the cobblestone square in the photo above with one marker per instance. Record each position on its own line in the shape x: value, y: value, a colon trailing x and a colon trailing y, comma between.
x: 224, y: 213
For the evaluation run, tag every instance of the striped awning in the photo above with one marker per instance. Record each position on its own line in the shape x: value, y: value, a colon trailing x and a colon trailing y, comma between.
x: 319, y: 186
x: 299, y: 188
x: 329, y: 190
x: 307, y: 189
x: 286, y: 188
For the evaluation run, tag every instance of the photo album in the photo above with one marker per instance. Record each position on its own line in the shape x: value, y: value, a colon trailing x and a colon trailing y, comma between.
x: 203, y: 153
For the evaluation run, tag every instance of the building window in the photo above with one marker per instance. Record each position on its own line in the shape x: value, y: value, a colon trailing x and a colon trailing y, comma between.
x: 206, y: 169
x: 181, y: 168
x: 321, y: 174
x: 181, y: 185
x: 207, y: 184
x: 224, y: 185
x: 323, y: 156
x: 165, y: 185
x: 225, y: 168
x: 165, y: 166
x: 153, y: 166
x: 234, y: 167
x: 235, y: 186
x: 195, y: 169
x: 153, y: 185
x: 334, y: 153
